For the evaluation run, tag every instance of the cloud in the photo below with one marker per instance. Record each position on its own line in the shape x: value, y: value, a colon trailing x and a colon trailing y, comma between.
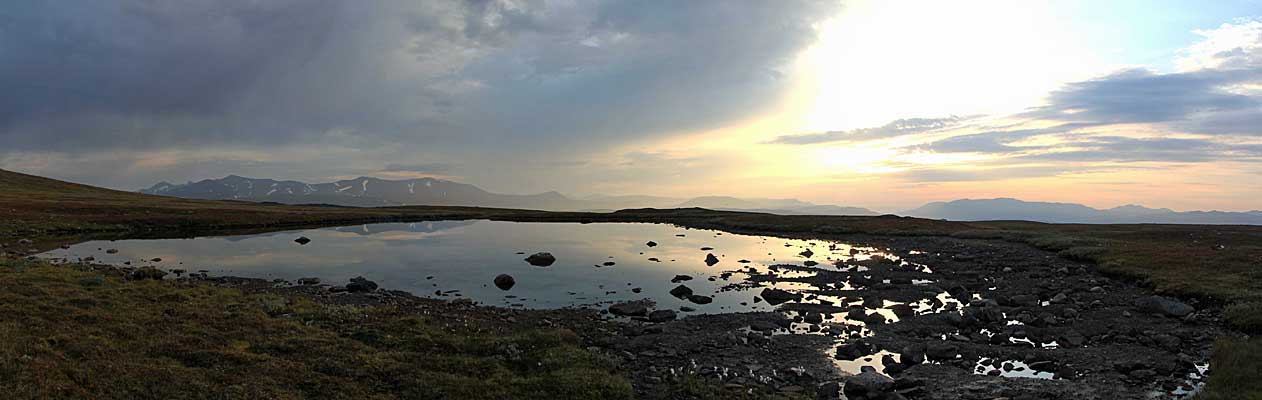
x: 426, y: 168
x: 1233, y: 45
x: 939, y: 175
x: 444, y: 75
x: 905, y: 126
x: 996, y: 141
x: 1141, y: 96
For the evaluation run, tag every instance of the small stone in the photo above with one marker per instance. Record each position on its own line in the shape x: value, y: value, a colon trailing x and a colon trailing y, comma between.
x: 541, y: 259
x: 504, y: 281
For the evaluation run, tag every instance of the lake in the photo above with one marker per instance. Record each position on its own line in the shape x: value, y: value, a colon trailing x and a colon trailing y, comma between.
x: 597, y: 264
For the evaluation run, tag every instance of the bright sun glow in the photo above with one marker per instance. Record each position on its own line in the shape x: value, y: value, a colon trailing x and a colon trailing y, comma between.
x: 880, y: 61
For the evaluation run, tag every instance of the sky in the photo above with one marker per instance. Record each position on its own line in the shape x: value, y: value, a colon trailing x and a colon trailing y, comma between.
x: 880, y: 104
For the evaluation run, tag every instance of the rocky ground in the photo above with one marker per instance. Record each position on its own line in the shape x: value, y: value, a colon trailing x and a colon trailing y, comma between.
x: 928, y: 318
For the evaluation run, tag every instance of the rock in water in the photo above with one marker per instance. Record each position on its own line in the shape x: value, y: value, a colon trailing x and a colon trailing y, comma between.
x: 661, y: 315
x: 629, y: 309
x: 681, y: 291
x: 777, y: 296
x: 651, y: 244
x: 361, y: 284
x: 680, y: 278
x: 302, y: 240
x: 808, y: 253
x: 308, y: 281
x: 698, y: 299
x: 541, y: 259
x: 710, y: 260
x: 1164, y: 306
x: 504, y: 281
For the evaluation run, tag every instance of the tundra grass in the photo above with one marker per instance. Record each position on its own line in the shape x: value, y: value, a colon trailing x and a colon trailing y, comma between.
x: 70, y: 334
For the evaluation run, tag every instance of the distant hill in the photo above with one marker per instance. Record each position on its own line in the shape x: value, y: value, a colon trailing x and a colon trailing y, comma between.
x: 368, y: 192
x: 774, y: 206
x: 1013, y: 209
x: 362, y: 191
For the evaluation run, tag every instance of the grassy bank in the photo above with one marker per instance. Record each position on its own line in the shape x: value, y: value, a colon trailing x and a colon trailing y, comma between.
x: 78, y: 334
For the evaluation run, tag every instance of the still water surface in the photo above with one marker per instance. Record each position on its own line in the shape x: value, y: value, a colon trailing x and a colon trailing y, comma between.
x: 453, y: 259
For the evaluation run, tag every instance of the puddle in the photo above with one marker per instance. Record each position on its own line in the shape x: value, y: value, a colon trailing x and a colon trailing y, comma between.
x: 1009, y: 369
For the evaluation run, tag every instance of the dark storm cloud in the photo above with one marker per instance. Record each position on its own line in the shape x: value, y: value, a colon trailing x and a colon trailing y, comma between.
x: 87, y: 76
x: 904, y: 126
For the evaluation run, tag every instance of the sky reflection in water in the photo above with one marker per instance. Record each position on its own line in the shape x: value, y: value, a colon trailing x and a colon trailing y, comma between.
x: 466, y: 255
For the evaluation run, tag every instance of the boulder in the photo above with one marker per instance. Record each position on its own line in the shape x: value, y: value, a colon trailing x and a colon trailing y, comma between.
x: 851, y: 351
x: 651, y: 244
x: 541, y: 259
x: 361, y: 284
x: 681, y: 291
x: 308, y: 281
x: 661, y: 315
x: 1163, y: 305
x: 807, y: 253
x: 776, y: 296
x: 710, y: 260
x: 302, y: 240
x: 630, y: 309
x: 868, y: 384
x: 941, y: 351
x: 698, y: 299
x: 680, y: 278
x: 504, y: 281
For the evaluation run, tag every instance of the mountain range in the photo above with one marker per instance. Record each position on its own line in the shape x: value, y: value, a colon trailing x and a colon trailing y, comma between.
x: 1013, y: 209
x: 368, y: 191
